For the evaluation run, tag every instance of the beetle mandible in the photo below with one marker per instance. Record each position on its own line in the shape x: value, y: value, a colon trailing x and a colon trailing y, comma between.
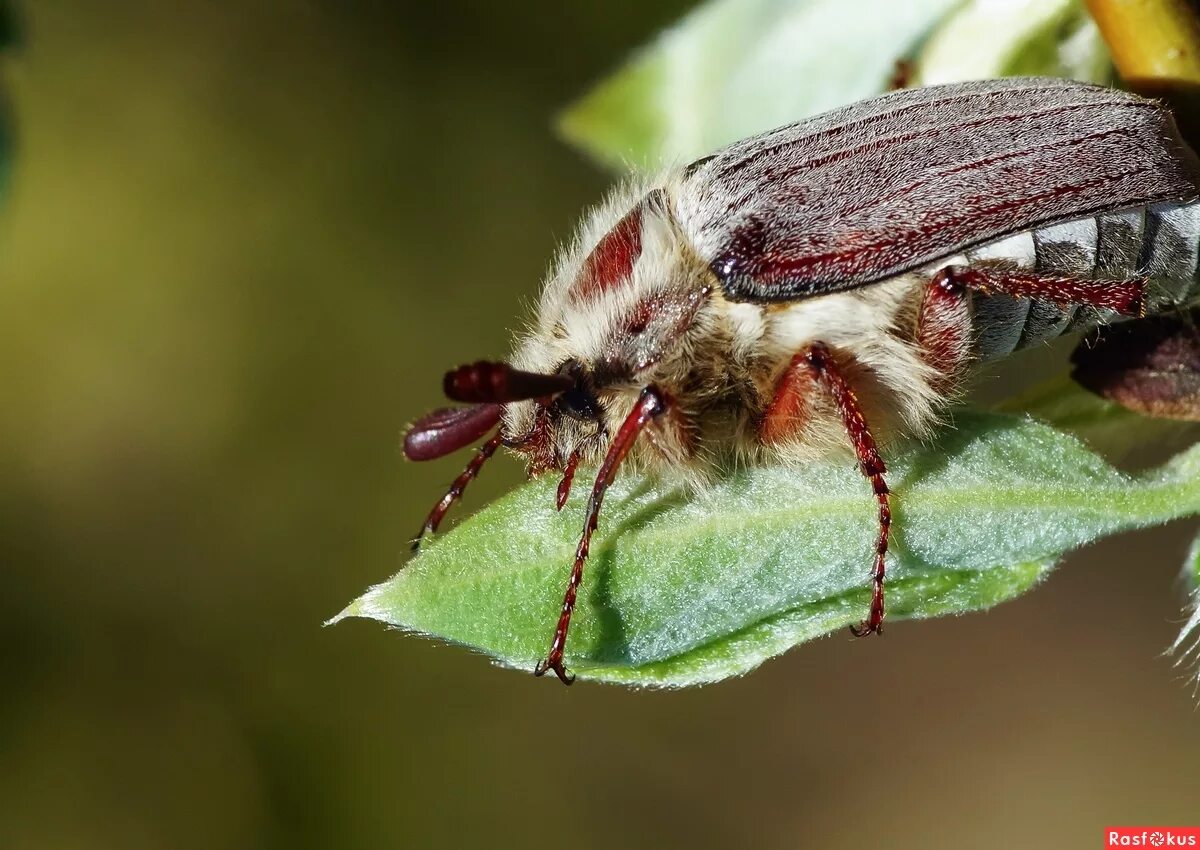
x: 826, y: 285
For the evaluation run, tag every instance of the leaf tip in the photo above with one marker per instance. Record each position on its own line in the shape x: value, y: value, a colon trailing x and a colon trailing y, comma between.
x: 351, y: 610
x: 364, y: 606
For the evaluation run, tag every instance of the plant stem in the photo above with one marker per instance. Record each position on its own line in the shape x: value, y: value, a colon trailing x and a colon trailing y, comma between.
x: 1155, y: 45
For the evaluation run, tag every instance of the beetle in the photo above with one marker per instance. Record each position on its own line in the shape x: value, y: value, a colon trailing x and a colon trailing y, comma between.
x: 826, y: 286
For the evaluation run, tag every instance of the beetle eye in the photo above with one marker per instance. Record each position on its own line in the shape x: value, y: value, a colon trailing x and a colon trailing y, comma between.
x: 579, y: 403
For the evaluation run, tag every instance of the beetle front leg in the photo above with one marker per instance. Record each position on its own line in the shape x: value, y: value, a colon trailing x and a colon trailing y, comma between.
x: 816, y: 367
x: 455, y: 491
x: 651, y: 404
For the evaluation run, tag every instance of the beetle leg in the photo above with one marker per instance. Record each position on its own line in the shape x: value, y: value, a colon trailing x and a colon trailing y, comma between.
x: 944, y: 329
x: 456, y: 488
x: 1127, y: 297
x: 651, y: 404
x: 788, y: 409
x: 816, y: 367
x: 564, y: 486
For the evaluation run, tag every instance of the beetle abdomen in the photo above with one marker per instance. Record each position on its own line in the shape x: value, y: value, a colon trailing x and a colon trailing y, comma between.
x: 1161, y: 242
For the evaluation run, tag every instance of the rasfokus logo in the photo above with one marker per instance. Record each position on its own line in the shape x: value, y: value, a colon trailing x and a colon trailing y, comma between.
x: 1152, y: 836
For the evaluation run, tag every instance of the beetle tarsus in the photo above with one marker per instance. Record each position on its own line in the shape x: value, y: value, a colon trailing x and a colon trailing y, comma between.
x: 873, y: 625
x: 554, y: 662
x: 874, y: 622
x: 564, y: 486
x: 868, y: 626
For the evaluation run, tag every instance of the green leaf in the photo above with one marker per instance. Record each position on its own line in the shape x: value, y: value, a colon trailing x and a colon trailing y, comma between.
x: 684, y: 588
x: 983, y: 39
x: 738, y: 67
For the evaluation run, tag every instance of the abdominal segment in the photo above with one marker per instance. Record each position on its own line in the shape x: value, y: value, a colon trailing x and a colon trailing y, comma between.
x: 1157, y: 243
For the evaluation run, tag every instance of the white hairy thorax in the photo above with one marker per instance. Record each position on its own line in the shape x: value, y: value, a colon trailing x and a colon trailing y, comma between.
x: 722, y: 369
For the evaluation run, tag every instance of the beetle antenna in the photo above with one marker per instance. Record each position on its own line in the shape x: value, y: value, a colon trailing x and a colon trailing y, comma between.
x: 449, y: 429
x: 651, y: 404
x: 498, y: 383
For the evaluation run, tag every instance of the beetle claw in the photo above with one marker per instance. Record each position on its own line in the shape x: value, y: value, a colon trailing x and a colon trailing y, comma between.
x: 554, y: 662
x: 870, y: 626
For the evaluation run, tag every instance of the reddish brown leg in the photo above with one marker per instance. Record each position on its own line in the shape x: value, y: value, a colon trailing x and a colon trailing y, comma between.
x: 650, y: 405
x: 1126, y: 297
x: 825, y: 370
x: 456, y: 489
x: 944, y: 328
x: 788, y: 410
x: 816, y: 367
x: 564, y: 486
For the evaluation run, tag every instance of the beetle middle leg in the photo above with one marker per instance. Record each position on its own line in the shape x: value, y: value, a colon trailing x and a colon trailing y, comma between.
x: 816, y: 367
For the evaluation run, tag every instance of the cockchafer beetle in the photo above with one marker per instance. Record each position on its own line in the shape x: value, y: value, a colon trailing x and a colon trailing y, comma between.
x: 767, y: 302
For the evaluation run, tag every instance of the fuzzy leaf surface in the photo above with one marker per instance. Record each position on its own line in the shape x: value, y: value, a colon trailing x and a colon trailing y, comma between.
x: 684, y: 588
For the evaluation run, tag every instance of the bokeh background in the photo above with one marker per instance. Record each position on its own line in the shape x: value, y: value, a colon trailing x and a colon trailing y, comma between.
x: 241, y: 243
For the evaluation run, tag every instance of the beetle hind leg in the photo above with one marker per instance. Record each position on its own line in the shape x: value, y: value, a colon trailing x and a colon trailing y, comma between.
x: 944, y: 330
x: 1126, y: 297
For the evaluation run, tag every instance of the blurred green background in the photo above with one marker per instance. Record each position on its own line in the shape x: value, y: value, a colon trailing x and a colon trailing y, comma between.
x: 241, y: 243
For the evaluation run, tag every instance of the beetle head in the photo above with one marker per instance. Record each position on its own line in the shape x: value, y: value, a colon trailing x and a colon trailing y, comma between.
x: 615, y: 316
x: 619, y: 312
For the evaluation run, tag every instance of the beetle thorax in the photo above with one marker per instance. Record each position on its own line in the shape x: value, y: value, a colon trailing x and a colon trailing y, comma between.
x: 624, y: 306
x: 630, y: 304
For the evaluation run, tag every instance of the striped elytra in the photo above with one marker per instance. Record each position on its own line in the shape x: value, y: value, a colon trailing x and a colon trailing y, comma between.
x: 883, y: 186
